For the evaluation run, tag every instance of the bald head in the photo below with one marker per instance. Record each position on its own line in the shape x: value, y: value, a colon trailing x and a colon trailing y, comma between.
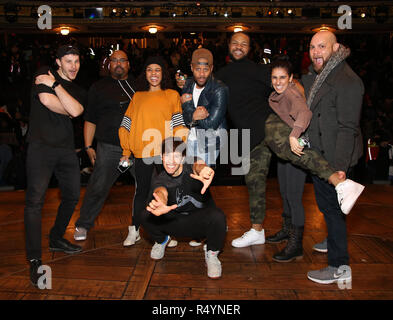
x: 323, y: 44
x: 119, y: 65
x: 326, y: 36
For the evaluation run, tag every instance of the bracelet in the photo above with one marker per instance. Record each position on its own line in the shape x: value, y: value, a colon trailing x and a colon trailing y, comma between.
x: 88, y: 147
x: 55, y: 84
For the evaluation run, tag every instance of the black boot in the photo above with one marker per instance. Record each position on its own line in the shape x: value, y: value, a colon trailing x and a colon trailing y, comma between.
x: 34, y: 276
x: 294, y: 248
x: 281, y: 235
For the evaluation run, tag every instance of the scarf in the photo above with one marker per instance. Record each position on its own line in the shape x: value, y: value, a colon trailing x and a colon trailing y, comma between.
x: 337, y: 57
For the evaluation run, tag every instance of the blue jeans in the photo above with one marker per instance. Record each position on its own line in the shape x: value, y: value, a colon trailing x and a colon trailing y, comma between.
x: 193, y: 151
x: 105, y: 174
x: 42, y: 161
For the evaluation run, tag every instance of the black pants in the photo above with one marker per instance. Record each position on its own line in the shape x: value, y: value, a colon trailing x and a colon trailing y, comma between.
x: 291, y: 180
x: 326, y: 197
x: 209, y: 223
x: 42, y: 161
x: 104, y: 175
x: 145, y: 169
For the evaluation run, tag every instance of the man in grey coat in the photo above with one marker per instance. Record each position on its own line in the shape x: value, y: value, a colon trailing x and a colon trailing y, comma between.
x: 334, y: 94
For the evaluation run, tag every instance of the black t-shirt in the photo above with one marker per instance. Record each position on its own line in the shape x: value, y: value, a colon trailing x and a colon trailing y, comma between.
x: 249, y: 90
x: 48, y: 127
x: 108, y: 100
x: 183, y: 190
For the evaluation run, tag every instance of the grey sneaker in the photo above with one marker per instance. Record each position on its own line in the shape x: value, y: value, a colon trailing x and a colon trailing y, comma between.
x: 321, y: 247
x: 214, y: 268
x: 133, y: 236
x: 80, y: 234
x: 158, y: 250
x: 331, y: 274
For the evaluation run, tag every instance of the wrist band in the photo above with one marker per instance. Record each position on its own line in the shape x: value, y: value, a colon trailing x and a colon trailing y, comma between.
x: 55, y: 84
x: 88, y: 147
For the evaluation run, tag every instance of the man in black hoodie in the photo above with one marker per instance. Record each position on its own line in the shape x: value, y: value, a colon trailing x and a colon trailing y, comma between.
x: 249, y: 89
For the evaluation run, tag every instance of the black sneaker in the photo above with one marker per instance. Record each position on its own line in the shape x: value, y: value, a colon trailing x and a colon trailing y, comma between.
x: 63, y: 245
x: 34, y: 276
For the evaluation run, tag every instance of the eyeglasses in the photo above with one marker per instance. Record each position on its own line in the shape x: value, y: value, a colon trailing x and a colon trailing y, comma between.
x: 118, y: 60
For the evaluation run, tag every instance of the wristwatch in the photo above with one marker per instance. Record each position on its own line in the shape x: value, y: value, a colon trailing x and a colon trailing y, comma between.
x: 55, y: 84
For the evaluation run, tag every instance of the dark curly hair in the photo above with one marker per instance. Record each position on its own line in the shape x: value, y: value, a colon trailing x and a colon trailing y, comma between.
x: 166, y: 83
x: 282, y: 62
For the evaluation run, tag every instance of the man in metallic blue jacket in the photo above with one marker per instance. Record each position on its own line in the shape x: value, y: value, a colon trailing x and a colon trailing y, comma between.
x: 204, y: 103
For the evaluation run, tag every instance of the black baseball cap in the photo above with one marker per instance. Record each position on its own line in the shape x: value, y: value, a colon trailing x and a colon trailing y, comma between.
x: 67, y: 49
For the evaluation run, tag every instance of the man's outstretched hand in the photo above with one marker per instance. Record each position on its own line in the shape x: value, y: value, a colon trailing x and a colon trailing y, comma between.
x: 205, y: 176
x: 158, y: 207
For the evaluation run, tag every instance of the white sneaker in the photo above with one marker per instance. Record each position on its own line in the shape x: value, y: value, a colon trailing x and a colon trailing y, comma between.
x: 348, y: 192
x: 194, y: 243
x: 158, y: 250
x: 214, y: 268
x: 133, y: 236
x: 249, y: 238
x: 172, y: 243
x: 80, y: 234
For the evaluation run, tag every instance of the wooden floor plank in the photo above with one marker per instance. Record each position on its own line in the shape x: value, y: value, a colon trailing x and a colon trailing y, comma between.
x: 107, y: 270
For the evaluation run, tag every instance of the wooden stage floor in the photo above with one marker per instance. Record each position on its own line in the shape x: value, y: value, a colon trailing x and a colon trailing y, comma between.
x: 107, y: 270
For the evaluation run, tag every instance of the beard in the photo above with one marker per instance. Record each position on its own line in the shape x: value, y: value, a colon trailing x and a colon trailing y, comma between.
x: 323, y: 64
x: 118, y: 73
x: 236, y: 60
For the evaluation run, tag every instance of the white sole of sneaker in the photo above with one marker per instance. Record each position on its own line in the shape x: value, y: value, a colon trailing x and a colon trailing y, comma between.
x: 247, y: 245
x: 354, y: 198
x: 320, y: 250
x: 328, y: 281
x: 129, y: 245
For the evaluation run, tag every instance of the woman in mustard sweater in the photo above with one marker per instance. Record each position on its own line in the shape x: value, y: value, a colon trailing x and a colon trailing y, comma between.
x: 154, y: 114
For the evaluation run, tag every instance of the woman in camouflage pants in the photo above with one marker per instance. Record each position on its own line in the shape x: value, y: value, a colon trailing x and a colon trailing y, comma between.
x: 283, y: 136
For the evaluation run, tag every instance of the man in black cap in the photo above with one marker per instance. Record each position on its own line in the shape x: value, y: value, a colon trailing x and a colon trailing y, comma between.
x: 55, y: 100
x: 108, y: 100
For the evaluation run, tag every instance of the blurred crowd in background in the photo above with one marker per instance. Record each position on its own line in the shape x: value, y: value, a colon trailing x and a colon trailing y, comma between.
x: 371, y: 59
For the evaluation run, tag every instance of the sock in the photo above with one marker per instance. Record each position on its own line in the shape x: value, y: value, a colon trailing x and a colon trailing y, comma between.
x: 165, y: 241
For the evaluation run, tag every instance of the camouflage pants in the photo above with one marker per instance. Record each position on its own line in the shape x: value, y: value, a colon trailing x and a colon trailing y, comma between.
x: 277, y: 138
x: 256, y: 182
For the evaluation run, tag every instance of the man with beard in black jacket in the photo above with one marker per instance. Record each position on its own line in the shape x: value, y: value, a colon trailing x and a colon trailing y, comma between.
x: 249, y: 89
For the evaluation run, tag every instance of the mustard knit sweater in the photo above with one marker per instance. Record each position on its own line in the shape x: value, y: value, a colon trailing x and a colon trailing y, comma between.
x: 151, y: 117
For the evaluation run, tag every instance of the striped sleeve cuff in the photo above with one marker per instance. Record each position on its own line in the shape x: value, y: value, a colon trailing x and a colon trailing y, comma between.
x: 126, y: 123
x: 177, y: 120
